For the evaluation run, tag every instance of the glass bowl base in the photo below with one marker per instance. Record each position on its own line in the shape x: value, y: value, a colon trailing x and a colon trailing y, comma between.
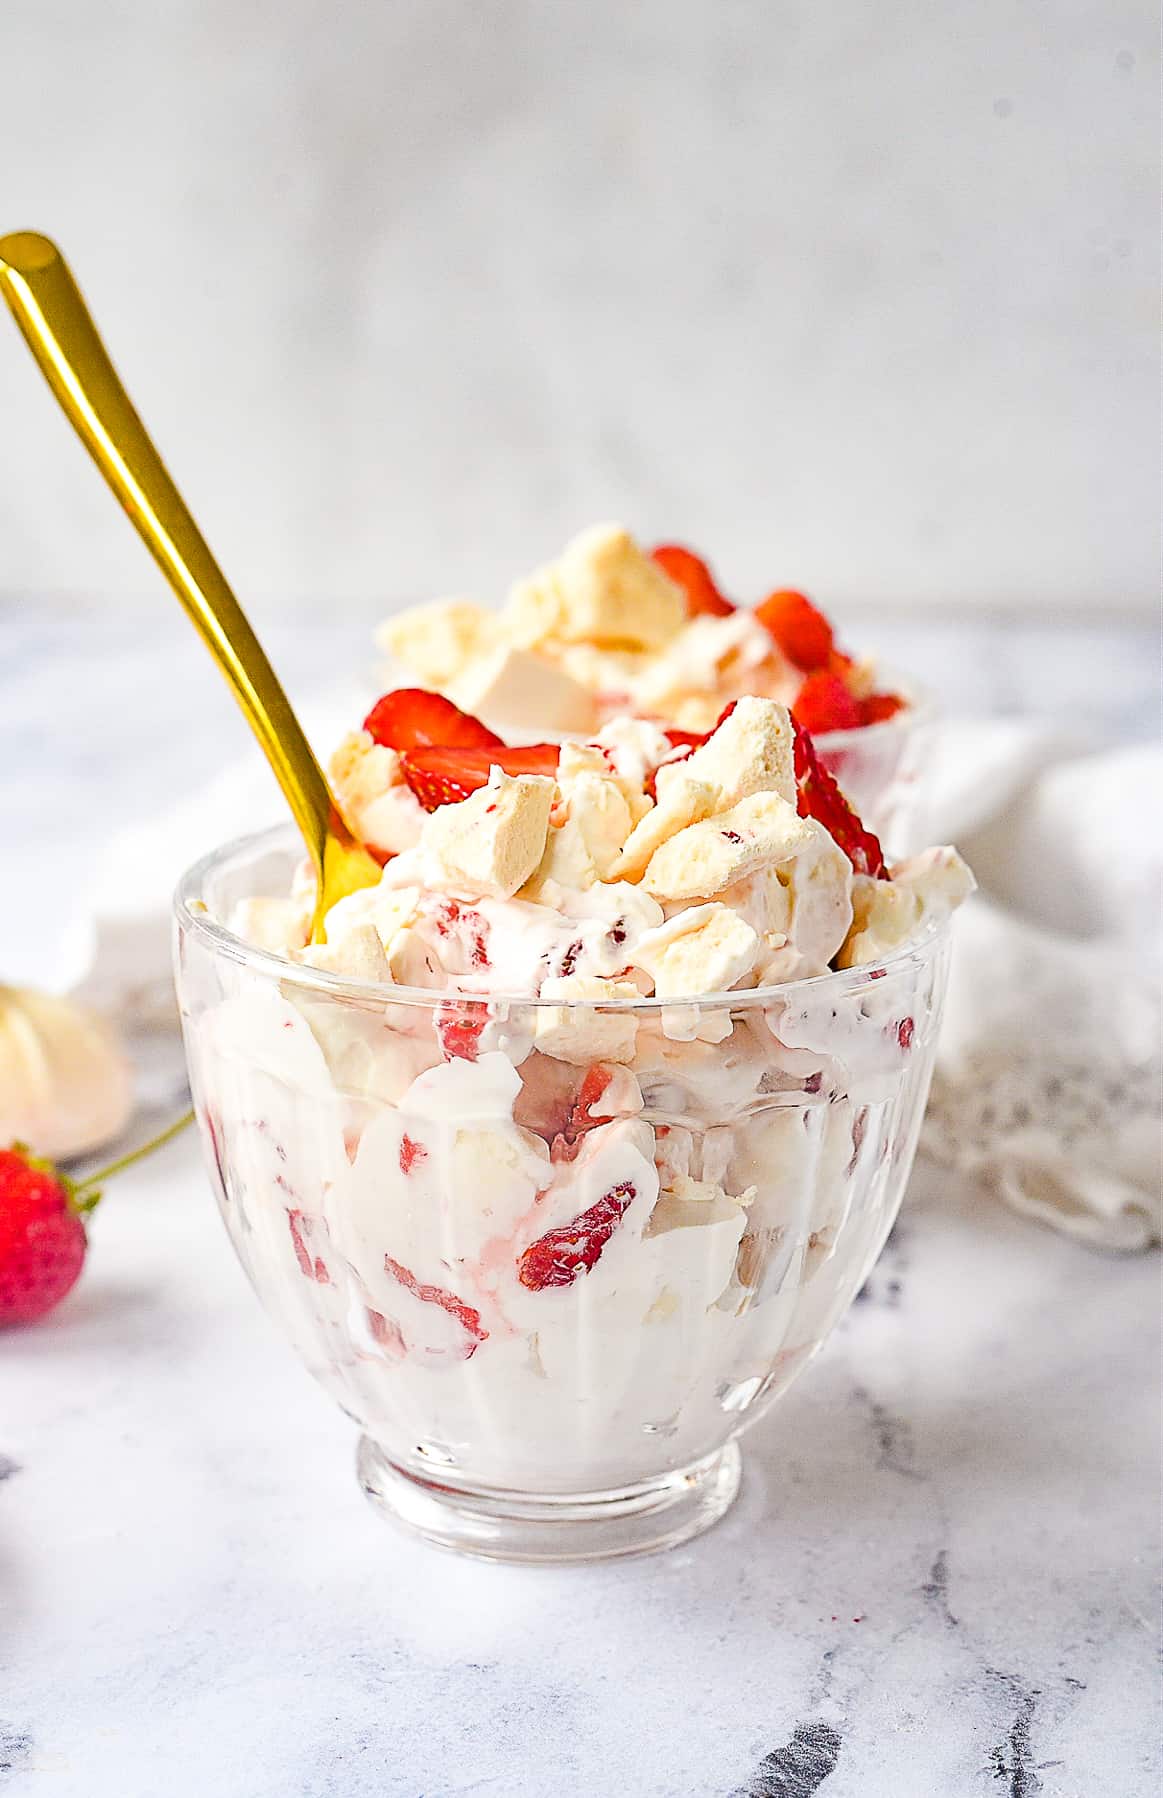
x: 588, y: 1526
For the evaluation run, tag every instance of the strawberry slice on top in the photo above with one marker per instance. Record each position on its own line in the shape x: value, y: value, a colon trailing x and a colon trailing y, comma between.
x: 691, y: 573
x: 799, y: 627
x: 413, y: 718
x: 820, y: 798
x: 825, y: 703
x: 444, y: 774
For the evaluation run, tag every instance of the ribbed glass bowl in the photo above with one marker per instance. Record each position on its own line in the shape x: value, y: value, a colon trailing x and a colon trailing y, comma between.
x: 881, y: 768
x: 553, y: 1260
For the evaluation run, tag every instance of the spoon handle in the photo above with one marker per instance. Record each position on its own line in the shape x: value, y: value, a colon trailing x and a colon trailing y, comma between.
x: 55, y: 321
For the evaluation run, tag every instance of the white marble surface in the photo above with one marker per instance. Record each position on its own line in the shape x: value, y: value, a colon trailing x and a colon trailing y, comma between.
x: 858, y: 294
x: 941, y: 1578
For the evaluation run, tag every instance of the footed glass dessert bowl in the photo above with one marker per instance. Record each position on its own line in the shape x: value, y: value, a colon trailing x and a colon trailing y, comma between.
x: 553, y: 1256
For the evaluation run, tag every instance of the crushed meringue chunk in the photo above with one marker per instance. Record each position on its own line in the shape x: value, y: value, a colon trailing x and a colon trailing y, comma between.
x: 635, y: 868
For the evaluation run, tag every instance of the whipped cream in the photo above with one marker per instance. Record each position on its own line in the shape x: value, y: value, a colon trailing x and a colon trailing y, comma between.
x: 588, y: 1167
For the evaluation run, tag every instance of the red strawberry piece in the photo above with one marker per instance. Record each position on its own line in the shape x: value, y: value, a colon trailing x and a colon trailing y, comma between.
x: 876, y: 707
x: 558, y: 1257
x: 691, y: 573
x: 313, y: 1266
x: 444, y: 776
x: 685, y: 739
x: 42, y: 1238
x: 581, y: 1117
x: 802, y: 631
x: 905, y: 1032
x: 555, y: 1101
x: 413, y: 718
x: 820, y: 798
x: 824, y: 703
x: 465, y: 1315
x: 386, y: 1333
x: 459, y: 1032
x: 410, y: 1153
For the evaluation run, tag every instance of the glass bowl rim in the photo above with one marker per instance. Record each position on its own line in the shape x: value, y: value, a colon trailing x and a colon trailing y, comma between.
x: 191, y: 914
x: 920, y: 710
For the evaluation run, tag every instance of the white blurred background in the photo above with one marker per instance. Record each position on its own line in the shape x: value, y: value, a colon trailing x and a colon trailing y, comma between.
x: 859, y: 297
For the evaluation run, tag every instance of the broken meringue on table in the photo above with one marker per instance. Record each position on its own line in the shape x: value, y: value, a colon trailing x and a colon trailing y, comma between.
x: 562, y: 1154
x: 66, y: 1086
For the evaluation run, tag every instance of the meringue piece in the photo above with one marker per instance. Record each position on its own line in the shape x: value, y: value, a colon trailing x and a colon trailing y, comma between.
x: 887, y: 912
x: 601, y: 814
x: 884, y: 916
x: 576, y: 1033
x: 752, y: 751
x: 706, y: 857
x: 703, y: 662
x: 357, y: 954
x: 369, y: 783
x: 809, y: 905
x: 939, y: 877
x: 277, y: 925
x: 704, y: 949
x: 522, y: 695
x: 697, y: 1204
x: 491, y: 842
x: 566, y: 863
x: 65, y: 1084
x: 437, y: 642
x: 634, y: 746
x: 603, y: 590
x: 684, y: 802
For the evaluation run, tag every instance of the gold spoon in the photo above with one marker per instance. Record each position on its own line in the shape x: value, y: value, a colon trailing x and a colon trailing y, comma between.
x: 55, y: 321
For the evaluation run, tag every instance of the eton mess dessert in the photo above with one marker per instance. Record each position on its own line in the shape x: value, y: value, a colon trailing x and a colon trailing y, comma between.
x: 609, y: 629
x: 563, y: 1151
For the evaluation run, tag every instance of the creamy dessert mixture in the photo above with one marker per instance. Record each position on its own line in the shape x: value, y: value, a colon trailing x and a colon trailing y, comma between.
x: 609, y: 629
x: 594, y: 1158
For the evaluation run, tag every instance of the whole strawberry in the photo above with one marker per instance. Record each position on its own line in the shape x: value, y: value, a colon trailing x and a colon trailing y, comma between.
x: 42, y: 1237
x: 42, y: 1233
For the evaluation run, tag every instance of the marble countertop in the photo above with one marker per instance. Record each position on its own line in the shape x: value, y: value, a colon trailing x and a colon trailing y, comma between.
x: 940, y: 1578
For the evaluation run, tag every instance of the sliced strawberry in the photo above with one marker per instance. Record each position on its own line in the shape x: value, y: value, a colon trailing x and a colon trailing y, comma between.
x: 458, y: 1030
x: 410, y: 1153
x: 876, y: 707
x: 413, y: 718
x: 686, y: 739
x: 581, y: 1118
x: 802, y: 632
x: 691, y: 573
x: 314, y: 1267
x: 824, y: 703
x: 820, y: 798
x: 468, y: 1318
x: 558, y: 1257
x: 441, y: 775
x: 556, y: 1101
x: 387, y: 1334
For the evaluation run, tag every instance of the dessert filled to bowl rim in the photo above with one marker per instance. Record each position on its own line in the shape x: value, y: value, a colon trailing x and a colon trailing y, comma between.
x: 194, y: 913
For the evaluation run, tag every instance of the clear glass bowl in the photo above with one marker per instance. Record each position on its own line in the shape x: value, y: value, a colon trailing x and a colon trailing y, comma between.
x: 552, y: 1260
x: 881, y: 768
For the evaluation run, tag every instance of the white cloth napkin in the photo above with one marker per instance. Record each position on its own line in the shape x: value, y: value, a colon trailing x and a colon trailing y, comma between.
x: 1049, y: 1074
x: 1048, y: 1080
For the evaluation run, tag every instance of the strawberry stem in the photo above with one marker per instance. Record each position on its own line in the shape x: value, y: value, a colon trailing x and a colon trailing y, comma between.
x: 85, y: 1187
